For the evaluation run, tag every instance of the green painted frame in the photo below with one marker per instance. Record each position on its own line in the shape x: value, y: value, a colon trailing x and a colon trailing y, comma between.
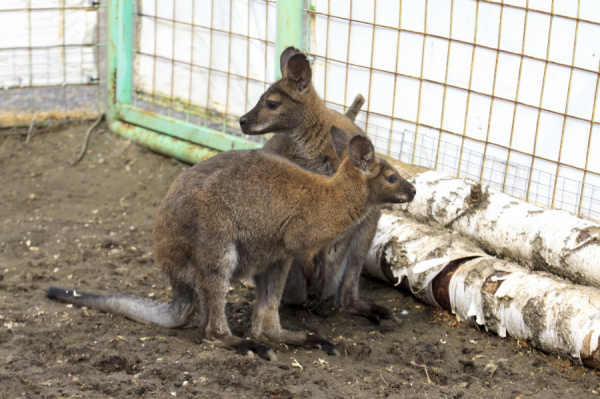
x: 170, y: 136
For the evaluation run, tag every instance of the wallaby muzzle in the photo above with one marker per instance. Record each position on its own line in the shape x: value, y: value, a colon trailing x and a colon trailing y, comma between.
x: 411, y: 193
x: 247, y: 121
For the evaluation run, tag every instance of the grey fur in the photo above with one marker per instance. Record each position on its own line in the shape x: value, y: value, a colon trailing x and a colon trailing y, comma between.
x: 316, y: 138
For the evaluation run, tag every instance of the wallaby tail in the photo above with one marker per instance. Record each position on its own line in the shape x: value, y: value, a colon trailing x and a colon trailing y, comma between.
x: 167, y: 314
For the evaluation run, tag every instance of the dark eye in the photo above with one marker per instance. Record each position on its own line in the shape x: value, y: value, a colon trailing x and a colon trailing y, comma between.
x: 272, y: 105
x: 392, y: 178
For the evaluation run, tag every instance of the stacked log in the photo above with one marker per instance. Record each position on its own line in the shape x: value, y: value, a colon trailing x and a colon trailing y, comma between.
x: 538, y: 239
x: 446, y: 269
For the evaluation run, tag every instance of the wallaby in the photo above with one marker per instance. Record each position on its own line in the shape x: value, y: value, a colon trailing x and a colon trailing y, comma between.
x: 246, y: 214
x: 293, y: 110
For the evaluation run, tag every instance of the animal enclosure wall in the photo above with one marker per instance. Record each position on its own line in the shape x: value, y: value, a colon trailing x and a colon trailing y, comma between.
x: 203, y: 61
x: 49, y: 61
x: 503, y: 92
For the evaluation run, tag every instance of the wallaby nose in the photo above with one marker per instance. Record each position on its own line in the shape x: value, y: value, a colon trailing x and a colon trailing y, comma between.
x: 243, y: 120
x: 413, y: 191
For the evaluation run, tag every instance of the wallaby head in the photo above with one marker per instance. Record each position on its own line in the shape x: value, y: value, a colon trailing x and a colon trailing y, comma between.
x: 284, y: 106
x: 383, y: 180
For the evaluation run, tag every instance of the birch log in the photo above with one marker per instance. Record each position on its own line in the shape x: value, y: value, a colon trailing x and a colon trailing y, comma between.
x: 539, y: 239
x: 444, y: 269
x: 404, y: 249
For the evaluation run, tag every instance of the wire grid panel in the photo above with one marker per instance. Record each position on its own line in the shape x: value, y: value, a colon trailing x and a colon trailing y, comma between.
x: 500, y: 91
x: 203, y: 58
x: 48, y: 54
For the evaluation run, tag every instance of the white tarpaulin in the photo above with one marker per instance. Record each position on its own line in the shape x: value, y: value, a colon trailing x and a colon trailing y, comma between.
x: 47, y: 42
x: 216, y: 58
x: 471, y: 78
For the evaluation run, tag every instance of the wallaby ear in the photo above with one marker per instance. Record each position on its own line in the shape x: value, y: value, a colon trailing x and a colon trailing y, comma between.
x: 298, y: 69
x: 361, y: 152
x: 333, y: 130
x: 285, y: 57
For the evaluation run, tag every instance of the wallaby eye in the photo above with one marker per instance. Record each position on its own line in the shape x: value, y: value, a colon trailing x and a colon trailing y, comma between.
x: 272, y: 105
x: 392, y: 178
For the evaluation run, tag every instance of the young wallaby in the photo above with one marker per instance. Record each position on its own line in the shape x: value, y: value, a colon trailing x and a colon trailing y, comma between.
x: 292, y: 109
x: 249, y: 214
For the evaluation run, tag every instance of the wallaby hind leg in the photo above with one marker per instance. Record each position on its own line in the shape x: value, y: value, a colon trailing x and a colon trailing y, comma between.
x: 199, y: 319
x: 348, y: 292
x: 211, y: 292
x: 265, y: 319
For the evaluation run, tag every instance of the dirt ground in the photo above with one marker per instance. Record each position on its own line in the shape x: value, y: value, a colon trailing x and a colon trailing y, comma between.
x: 89, y: 227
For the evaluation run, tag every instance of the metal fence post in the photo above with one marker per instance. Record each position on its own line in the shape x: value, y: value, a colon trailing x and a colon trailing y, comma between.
x: 112, y: 24
x: 288, y: 27
x: 124, y: 51
x: 118, y: 55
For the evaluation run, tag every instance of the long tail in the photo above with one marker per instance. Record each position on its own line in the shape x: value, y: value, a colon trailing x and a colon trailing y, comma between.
x: 167, y: 314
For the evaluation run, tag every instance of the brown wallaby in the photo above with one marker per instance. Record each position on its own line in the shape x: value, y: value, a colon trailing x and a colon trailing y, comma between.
x: 292, y: 109
x: 249, y: 214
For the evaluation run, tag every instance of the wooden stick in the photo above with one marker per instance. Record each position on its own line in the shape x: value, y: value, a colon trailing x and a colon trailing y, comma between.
x: 425, y: 367
x: 30, y: 130
x: 86, y: 139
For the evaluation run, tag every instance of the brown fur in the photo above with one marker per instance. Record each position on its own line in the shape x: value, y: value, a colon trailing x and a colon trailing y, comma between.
x: 249, y: 214
x: 305, y: 136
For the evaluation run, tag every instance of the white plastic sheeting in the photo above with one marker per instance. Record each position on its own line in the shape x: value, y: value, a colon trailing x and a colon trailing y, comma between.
x: 469, y: 77
x: 463, y: 67
x: 206, y: 53
x: 44, y: 43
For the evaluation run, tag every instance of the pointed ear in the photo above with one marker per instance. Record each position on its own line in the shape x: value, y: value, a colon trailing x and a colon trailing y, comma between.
x: 298, y: 69
x: 336, y: 131
x: 285, y: 57
x: 361, y: 152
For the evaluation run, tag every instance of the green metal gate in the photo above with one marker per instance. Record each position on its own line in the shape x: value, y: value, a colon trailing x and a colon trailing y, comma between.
x: 186, y: 141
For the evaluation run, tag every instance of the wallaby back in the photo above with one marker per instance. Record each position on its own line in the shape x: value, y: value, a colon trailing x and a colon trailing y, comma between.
x: 269, y: 206
x: 248, y: 213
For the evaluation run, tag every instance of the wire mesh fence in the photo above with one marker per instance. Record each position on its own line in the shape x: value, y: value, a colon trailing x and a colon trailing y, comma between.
x: 50, y: 61
x: 204, y: 62
x: 504, y: 92
x: 519, y: 181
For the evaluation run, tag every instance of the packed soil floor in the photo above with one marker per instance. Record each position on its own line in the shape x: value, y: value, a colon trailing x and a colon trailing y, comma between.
x: 89, y: 227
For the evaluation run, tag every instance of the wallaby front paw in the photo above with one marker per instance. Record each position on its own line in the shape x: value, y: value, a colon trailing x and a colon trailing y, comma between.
x: 313, y: 296
x: 249, y: 348
x: 377, y: 313
x: 313, y: 341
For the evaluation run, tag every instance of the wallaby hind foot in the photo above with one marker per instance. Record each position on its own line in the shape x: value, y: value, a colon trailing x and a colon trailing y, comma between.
x: 265, y: 319
x: 245, y: 347
x: 272, y: 331
x: 374, y: 313
x: 313, y: 341
x: 249, y: 348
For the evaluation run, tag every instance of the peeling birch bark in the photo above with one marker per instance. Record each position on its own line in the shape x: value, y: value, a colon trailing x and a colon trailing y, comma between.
x: 444, y: 269
x: 538, y: 239
x: 406, y: 249
x: 554, y: 315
